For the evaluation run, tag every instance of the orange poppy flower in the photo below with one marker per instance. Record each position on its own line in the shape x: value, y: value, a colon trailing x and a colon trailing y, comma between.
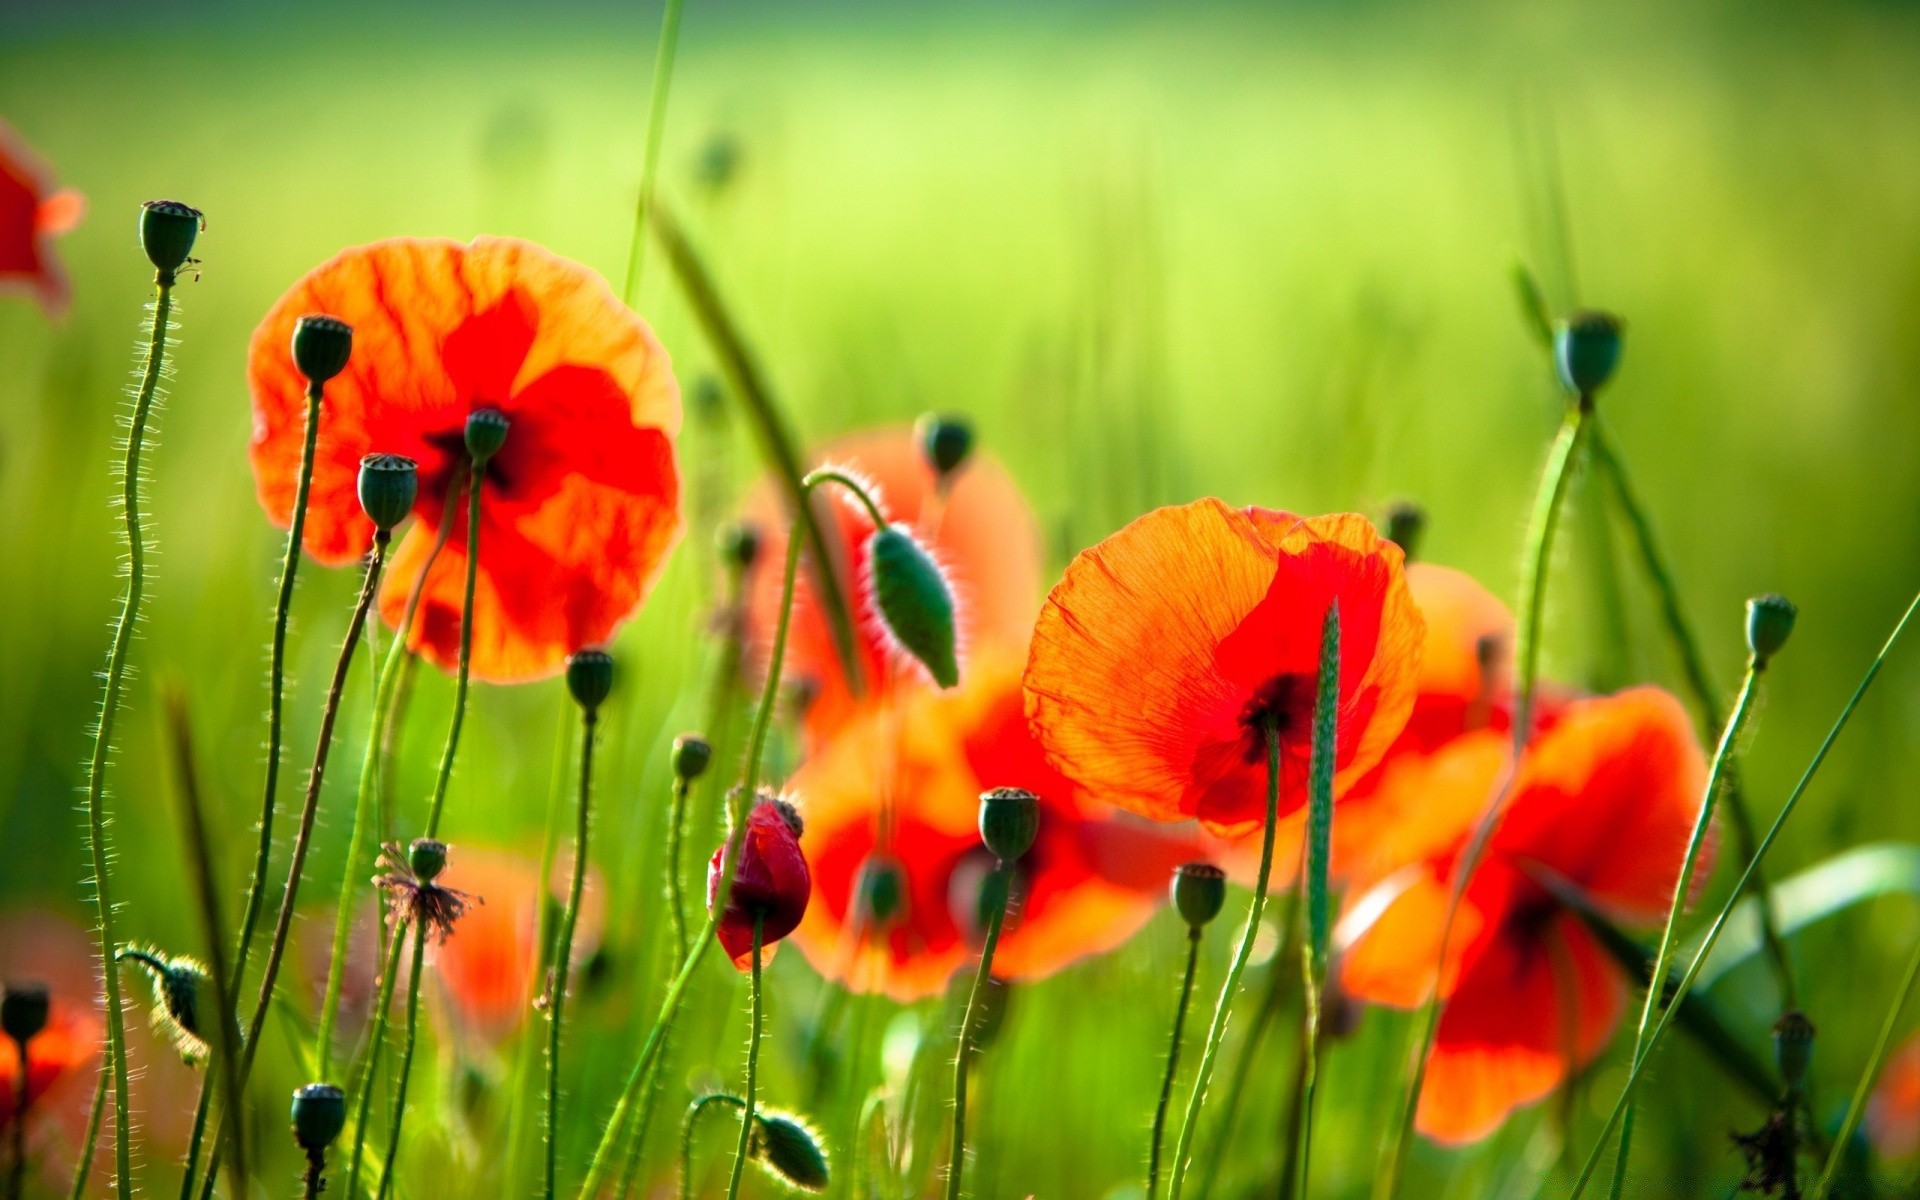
x: 1893, y: 1114
x: 983, y: 535
x: 581, y: 505
x: 1093, y: 877
x: 1164, y: 649
x: 32, y: 214
x: 1605, y: 801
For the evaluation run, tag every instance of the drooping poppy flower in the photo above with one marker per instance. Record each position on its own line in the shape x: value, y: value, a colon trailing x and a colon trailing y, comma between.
x: 983, y: 535
x: 1166, y: 651
x: 1604, y: 802
x: 771, y: 883
x: 32, y: 214
x: 1893, y: 1114
x: 581, y: 505
x: 899, y: 789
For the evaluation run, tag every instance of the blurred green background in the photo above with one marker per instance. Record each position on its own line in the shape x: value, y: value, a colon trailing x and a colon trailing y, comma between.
x: 1156, y: 251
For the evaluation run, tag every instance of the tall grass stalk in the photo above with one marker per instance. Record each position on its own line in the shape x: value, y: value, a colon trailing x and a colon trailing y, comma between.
x: 1319, y: 853
x: 656, y: 127
x: 1863, y: 1090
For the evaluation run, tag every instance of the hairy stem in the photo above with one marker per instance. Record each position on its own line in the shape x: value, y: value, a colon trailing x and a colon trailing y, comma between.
x: 687, y: 1129
x: 370, y: 1070
x: 406, y: 1061
x: 1173, y: 1064
x: 563, y: 951
x: 756, y: 1002
x: 963, y: 1055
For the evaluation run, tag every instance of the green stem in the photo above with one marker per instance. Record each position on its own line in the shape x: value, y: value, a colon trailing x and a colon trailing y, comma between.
x: 687, y: 1128
x: 676, y: 886
x: 1250, y: 1046
x: 1173, y: 1064
x: 466, y: 652
x: 370, y: 1070
x: 1319, y: 855
x: 563, y: 953
x: 756, y: 1004
x: 1863, y: 1091
x: 103, y: 736
x: 1707, y: 944
x: 656, y: 126
x: 406, y: 1061
x: 1224, y: 1006
x: 84, y: 1166
x: 962, y: 1058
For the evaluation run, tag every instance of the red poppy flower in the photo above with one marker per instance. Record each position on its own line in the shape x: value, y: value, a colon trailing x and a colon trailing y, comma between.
x: 1165, y: 649
x: 983, y: 535
x: 770, y: 881
x: 1605, y: 801
x: 49, y: 950
x: 1893, y: 1114
x: 904, y: 784
x: 32, y: 214
x: 581, y: 505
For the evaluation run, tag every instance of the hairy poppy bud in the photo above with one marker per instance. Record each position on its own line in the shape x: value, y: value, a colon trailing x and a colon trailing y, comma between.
x: 319, y: 1114
x: 1586, y: 349
x: 321, y: 346
x: 771, y: 882
x: 426, y: 858
x: 23, y: 1010
x: 881, y: 888
x: 740, y: 544
x: 691, y: 756
x: 944, y: 441
x: 1769, y: 624
x: 1009, y: 821
x: 914, y: 599
x: 1793, y: 1047
x: 1406, y: 521
x: 177, y: 984
x: 785, y: 1146
x: 1199, y: 891
x: 389, y: 483
x: 167, y: 232
x: 590, y: 678
x: 486, y: 433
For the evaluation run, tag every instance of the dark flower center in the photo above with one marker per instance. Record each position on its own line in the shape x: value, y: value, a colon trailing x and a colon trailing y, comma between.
x: 452, y: 445
x: 1284, y: 704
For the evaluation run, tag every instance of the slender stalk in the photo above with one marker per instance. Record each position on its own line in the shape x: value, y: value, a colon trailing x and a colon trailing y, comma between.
x: 563, y: 952
x: 17, y: 1174
x: 676, y: 885
x: 687, y: 1128
x: 656, y: 126
x: 103, y: 736
x: 84, y: 1167
x: 964, y: 1054
x: 1173, y: 1064
x: 313, y: 1179
x: 406, y: 1061
x: 1712, y: 937
x: 1250, y: 1047
x: 370, y: 1072
x: 1319, y: 855
x: 756, y: 1002
x: 1863, y: 1091
x: 462, y: 671
x: 1224, y: 1006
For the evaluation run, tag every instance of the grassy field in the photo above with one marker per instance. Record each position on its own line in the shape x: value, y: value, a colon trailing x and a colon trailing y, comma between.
x: 1156, y: 253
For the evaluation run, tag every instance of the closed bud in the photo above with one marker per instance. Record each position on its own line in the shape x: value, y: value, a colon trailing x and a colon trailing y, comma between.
x: 915, y: 600
x: 1586, y: 349
x: 389, y: 483
x: 882, y: 890
x: 1009, y: 821
x: 740, y: 545
x: 691, y: 756
x: 1769, y: 624
x: 945, y: 442
x: 178, y: 984
x: 486, y: 433
x: 426, y: 858
x: 167, y: 232
x: 590, y: 678
x: 319, y: 1114
x: 1199, y: 892
x: 785, y: 1146
x: 1406, y: 521
x: 23, y: 1010
x: 321, y: 346
x: 1793, y: 1047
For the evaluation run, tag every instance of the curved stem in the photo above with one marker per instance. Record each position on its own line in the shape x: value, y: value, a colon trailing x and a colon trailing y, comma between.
x: 963, y: 1056
x: 1217, y: 1030
x: 1250, y: 1045
x: 686, y: 1135
x: 103, y: 736
x: 370, y: 1071
x: 406, y: 1061
x: 756, y: 1002
x: 676, y: 886
x: 1173, y: 1064
x: 563, y: 953
x: 1863, y: 1091
x: 656, y: 126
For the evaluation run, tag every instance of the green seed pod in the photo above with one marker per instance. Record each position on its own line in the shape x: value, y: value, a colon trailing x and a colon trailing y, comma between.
x: 692, y: 754
x: 1406, y: 522
x: 945, y: 441
x: 914, y: 599
x: 167, y: 232
x: 590, y: 678
x: 1586, y: 349
x: 321, y: 346
x: 1199, y: 892
x: 1009, y: 821
x: 486, y: 433
x: 882, y: 890
x: 1793, y: 1047
x: 23, y: 1010
x: 1769, y: 624
x: 319, y: 1114
x: 426, y: 858
x: 389, y: 484
x: 740, y: 545
x: 787, y: 1148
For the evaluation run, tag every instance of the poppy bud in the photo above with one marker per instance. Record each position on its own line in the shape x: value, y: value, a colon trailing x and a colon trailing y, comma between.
x: 882, y: 889
x: 914, y: 599
x: 770, y: 880
x: 319, y: 1114
x: 740, y: 545
x: 785, y: 1146
x: 321, y: 346
x: 691, y: 756
x: 426, y: 858
x: 167, y: 232
x: 177, y: 983
x: 1199, y: 892
x: 1793, y: 1047
x: 590, y: 678
x: 1586, y: 349
x: 486, y: 433
x: 944, y: 441
x: 1406, y: 521
x: 389, y: 484
x: 23, y: 1010
x: 1769, y: 623
x: 1009, y: 821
